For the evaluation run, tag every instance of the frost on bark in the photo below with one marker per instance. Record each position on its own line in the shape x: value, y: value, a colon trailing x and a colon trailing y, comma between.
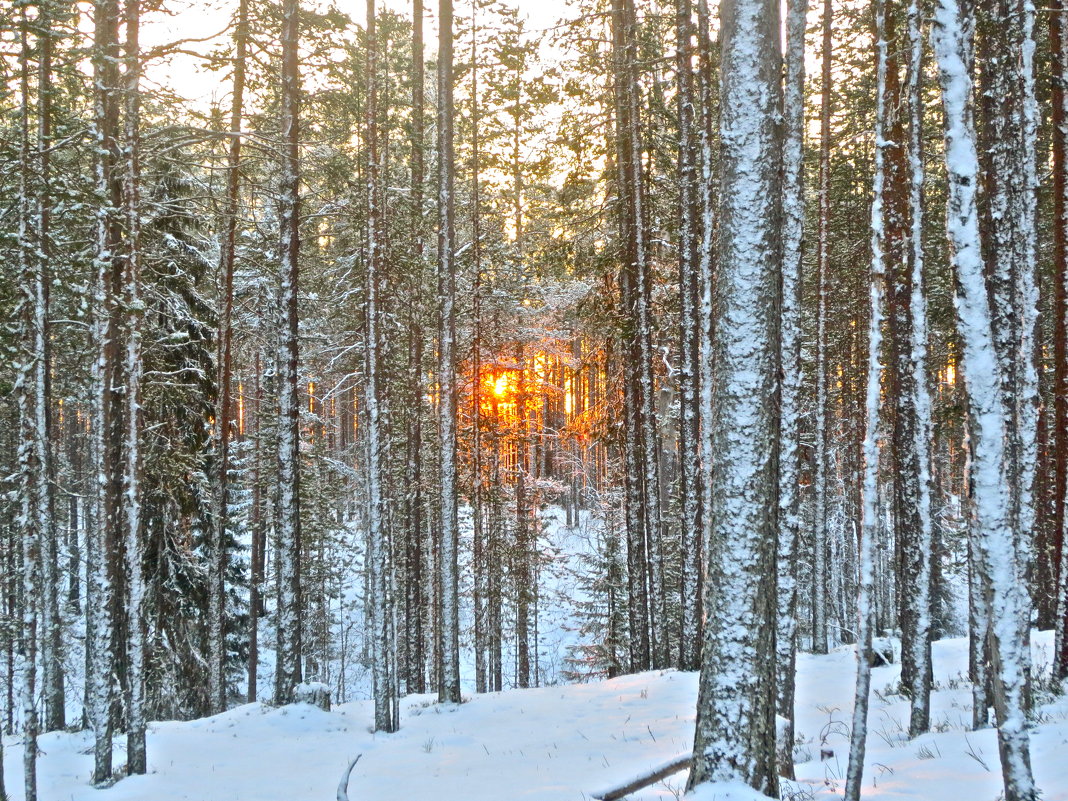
x: 31, y: 485
x: 870, y: 500
x: 735, y: 732
x: 790, y: 401
x: 689, y: 343
x: 288, y: 673
x: 448, y: 574
x: 919, y: 567
x: 998, y: 555
x: 136, y: 760
x: 1053, y: 562
x: 103, y: 541
x: 380, y: 601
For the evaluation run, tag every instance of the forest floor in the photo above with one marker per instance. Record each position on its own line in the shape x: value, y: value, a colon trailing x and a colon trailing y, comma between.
x: 562, y: 742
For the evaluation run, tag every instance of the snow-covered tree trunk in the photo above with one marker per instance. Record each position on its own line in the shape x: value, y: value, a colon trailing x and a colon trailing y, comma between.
x: 735, y: 732
x: 288, y: 673
x: 821, y: 534
x: 870, y: 501
x: 31, y: 485
x: 919, y: 572
x: 790, y: 399
x: 689, y: 339
x: 102, y: 539
x: 415, y: 596
x: 638, y: 556
x: 1057, y: 557
x: 706, y: 281
x: 643, y: 317
x: 136, y: 762
x: 998, y: 557
x: 51, y: 640
x: 381, y: 613
x: 449, y: 644
x: 224, y: 410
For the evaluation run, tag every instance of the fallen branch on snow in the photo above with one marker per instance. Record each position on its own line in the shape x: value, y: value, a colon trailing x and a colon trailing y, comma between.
x: 664, y: 770
x: 343, y: 785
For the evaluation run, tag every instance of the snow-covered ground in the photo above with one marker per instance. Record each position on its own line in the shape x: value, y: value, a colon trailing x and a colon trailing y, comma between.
x: 562, y: 742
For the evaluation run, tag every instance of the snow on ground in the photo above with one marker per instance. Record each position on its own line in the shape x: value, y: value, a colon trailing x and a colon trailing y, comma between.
x: 557, y: 743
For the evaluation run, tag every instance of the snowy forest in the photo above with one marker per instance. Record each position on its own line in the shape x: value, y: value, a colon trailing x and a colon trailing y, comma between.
x: 572, y: 399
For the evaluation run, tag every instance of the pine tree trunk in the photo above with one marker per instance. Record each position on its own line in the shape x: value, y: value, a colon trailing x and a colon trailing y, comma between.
x: 881, y: 233
x: 735, y: 732
x: 136, y: 760
x: 288, y: 673
x: 449, y: 680
x: 224, y: 411
x: 997, y: 555
x: 821, y: 533
x: 790, y: 403
x: 103, y: 535
x: 689, y: 338
x: 922, y: 557
x: 378, y: 549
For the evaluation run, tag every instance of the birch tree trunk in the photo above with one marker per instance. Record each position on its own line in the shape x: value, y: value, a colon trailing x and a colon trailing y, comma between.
x: 735, y: 732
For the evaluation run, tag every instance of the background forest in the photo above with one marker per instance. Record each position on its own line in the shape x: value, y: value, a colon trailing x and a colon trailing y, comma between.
x: 300, y: 383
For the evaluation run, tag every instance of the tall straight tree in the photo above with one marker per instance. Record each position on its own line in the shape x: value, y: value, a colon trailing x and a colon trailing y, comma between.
x: 920, y: 556
x: 287, y: 515
x: 735, y: 732
x: 415, y: 599
x: 1056, y: 555
x: 790, y: 401
x: 51, y: 640
x: 881, y: 232
x: 689, y: 344
x: 32, y: 485
x: 136, y: 760
x: 449, y: 681
x: 641, y: 559
x: 103, y: 543
x: 224, y: 413
x: 995, y: 541
x: 820, y: 533
x: 382, y: 648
